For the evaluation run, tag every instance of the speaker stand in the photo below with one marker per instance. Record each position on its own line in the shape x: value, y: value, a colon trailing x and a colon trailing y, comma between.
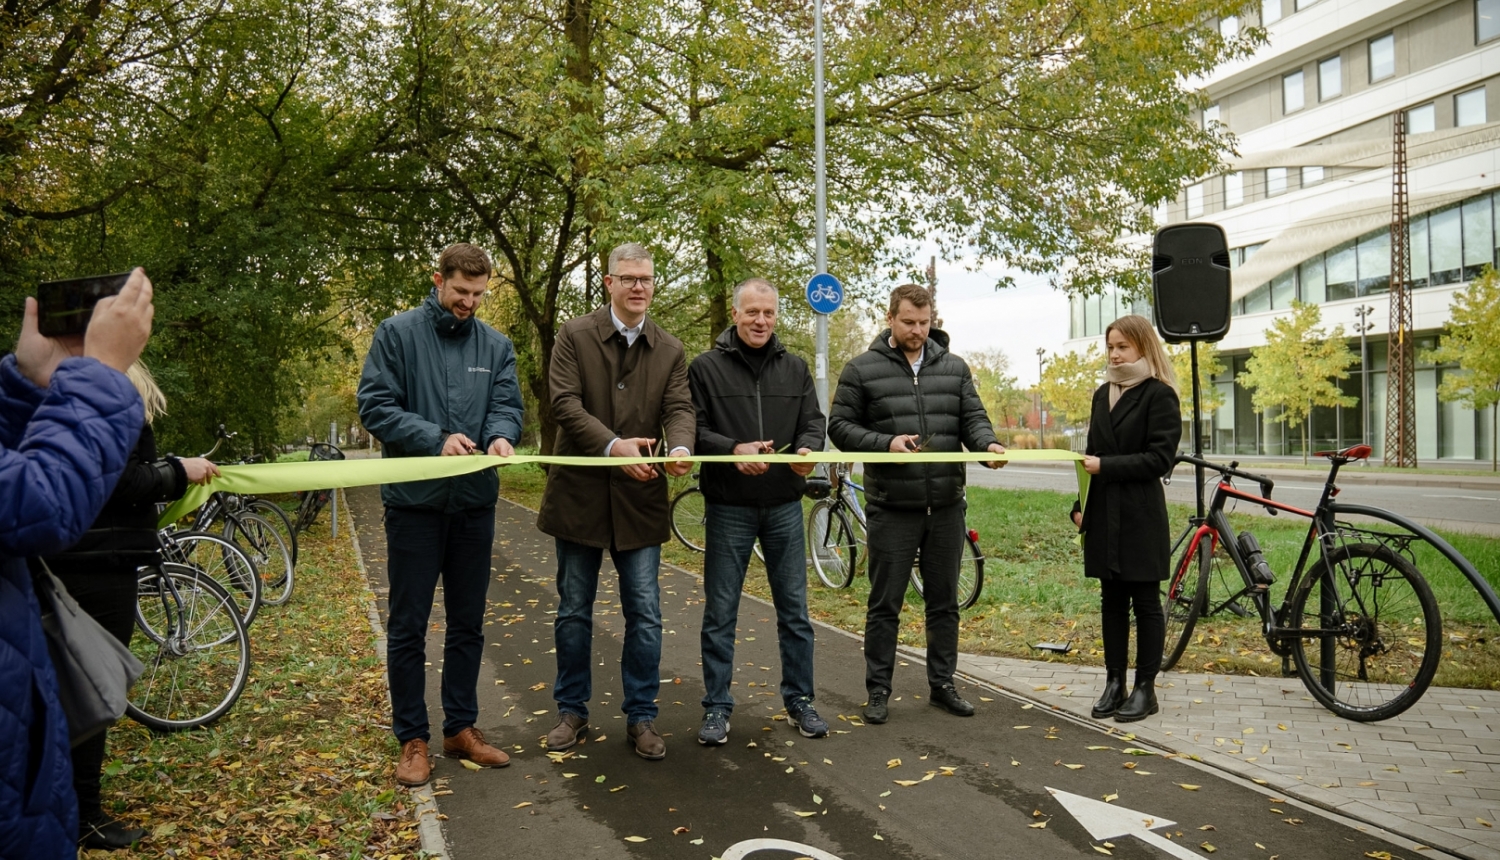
x: 1197, y: 431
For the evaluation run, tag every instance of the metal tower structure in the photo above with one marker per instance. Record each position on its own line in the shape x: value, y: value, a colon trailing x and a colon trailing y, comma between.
x: 1401, y: 378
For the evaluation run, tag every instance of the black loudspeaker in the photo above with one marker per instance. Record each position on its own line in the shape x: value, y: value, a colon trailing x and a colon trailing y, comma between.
x: 1190, y: 282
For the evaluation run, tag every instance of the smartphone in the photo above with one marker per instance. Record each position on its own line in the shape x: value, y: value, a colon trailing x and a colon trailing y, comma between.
x: 64, y: 307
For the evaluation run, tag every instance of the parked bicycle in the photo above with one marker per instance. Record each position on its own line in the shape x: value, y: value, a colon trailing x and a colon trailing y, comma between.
x: 262, y: 537
x: 837, y: 538
x: 1358, y: 620
x: 194, y: 646
x: 311, y: 502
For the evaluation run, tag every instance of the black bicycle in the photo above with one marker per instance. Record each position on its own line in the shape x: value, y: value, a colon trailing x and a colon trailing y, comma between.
x: 311, y: 502
x: 1358, y: 619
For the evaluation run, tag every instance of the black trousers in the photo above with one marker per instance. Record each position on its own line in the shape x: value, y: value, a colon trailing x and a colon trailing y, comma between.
x: 108, y: 596
x: 1116, y: 598
x: 895, y: 538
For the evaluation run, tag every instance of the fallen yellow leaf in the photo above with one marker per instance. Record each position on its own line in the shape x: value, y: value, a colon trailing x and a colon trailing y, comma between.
x: 906, y: 783
x: 468, y: 764
x: 1038, y: 826
x: 522, y: 805
x: 895, y: 762
x: 1208, y: 848
x: 1102, y: 850
x: 635, y: 839
x: 1189, y: 787
x: 804, y: 814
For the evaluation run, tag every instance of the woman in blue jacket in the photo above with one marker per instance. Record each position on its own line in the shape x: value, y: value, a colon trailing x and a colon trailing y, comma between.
x: 68, y: 420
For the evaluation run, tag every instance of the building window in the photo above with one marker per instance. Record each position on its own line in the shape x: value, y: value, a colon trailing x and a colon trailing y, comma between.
x: 1486, y: 20
x: 1229, y: 26
x: 1375, y: 263
x: 1330, y: 78
x: 1479, y: 236
x: 1284, y: 290
x: 1420, y: 120
x: 1468, y: 108
x: 1342, y: 277
x: 1383, y: 57
x: 1211, y: 116
x: 1446, y: 241
x: 1195, y: 200
x: 1417, y: 241
x: 1275, y: 181
x: 1311, y: 176
x: 1258, y: 299
x: 1310, y: 275
x: 1291, y: 92
x: 1270, y: 11
x: 1234, y: 189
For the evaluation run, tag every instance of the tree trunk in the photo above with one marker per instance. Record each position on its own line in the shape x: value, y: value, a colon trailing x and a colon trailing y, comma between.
x: 716, y: 286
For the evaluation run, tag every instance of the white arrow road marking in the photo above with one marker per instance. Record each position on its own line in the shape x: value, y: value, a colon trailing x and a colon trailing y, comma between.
x: 741, y: 850
x: 1107, y: 821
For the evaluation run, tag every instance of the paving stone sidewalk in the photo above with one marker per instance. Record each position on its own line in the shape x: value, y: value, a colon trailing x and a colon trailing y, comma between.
x: 1431, y: 774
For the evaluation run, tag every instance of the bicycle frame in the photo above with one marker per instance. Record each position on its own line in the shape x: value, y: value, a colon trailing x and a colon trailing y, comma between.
x: 1215, y: 525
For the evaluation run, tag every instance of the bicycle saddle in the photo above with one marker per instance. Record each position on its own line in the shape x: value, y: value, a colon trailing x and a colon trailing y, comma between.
x: 1353, y: 452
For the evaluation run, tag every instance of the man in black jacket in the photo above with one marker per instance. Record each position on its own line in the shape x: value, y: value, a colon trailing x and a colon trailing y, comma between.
x: 753, y: 397
x: 908, y: 393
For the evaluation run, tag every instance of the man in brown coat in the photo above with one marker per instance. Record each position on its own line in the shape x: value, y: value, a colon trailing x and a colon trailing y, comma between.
x: 619, y: 384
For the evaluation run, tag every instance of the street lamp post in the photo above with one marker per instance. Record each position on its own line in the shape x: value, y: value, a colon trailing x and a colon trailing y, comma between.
x: 1363, y: 327
x: 1041, y: 441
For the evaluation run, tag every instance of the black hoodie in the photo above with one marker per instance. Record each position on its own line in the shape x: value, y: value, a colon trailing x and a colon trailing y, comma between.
x: 736, y: 405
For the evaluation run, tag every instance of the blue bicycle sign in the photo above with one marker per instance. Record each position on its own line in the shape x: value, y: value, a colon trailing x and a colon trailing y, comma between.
x: 824, y: 293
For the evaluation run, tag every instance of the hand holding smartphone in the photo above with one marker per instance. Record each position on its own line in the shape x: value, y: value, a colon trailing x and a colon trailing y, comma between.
x: 65, y: 307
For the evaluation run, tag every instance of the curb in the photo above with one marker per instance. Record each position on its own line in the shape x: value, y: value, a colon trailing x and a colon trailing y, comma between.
x: 429, y: 829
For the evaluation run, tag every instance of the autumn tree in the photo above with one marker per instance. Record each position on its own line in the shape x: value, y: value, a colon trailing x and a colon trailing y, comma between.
x: 1069, y: 381
x: 1297, y: 367
x: 1472, y: 341
x: 1003, y: 398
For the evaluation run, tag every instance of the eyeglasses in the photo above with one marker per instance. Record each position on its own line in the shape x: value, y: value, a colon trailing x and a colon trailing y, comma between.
x: 629, y: 281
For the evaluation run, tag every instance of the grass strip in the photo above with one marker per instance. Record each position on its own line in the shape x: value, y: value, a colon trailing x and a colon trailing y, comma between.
x: 302, y: 766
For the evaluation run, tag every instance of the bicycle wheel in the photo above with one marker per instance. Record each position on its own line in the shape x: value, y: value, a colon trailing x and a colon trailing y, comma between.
x: 688, y: 518
x: 223, y: 562
x: 278, y: 518
x: 1186, y: 595
x: 309, y: 504
x: 970, y: 574
x: 259, y: 539
x: 831, y: 541
x: 196, y: 651
x: 1367, y: 634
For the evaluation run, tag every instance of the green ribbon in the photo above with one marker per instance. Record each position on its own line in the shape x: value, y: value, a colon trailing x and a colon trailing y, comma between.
x: 265, y: 478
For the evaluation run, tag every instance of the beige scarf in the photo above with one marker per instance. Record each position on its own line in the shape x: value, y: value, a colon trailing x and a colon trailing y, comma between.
x: 1123, y: 376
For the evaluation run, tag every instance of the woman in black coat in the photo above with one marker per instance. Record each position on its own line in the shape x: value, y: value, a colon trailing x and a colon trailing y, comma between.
x: 100, y: 573
x: 1134, y: 429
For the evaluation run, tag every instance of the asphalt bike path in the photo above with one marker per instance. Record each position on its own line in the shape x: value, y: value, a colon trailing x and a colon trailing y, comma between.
x: 1017, y: 779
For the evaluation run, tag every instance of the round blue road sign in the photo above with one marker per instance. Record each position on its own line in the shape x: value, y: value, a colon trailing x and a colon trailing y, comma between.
x: 825, y: 293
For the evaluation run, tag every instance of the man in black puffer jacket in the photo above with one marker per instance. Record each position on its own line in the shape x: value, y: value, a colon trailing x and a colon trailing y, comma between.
x: 906, y: 394
x: 751, y: 396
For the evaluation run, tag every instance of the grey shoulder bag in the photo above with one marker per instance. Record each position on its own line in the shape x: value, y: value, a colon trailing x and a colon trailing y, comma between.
x: 94, y: 671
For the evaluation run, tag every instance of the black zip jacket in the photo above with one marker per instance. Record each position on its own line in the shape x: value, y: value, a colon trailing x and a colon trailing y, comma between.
x: 879, y: 398
x: 734, y: 405
x: 123, y: 536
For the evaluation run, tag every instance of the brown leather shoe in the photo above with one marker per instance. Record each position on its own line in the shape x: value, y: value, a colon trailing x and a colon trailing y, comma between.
x: 648, y: 744
x: 414, y: 766
x: 570, y: 729
x: 469, y: 744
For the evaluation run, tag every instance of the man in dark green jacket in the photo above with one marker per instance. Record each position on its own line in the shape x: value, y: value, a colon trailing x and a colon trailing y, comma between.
x: 906, y: 394
x: 437, y: 381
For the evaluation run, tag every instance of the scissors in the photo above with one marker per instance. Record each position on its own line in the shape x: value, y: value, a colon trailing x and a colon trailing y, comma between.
x: 923, y: 444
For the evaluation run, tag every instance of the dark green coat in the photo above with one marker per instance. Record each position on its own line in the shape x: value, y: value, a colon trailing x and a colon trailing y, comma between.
x: 879, y: 398
x: 429, y: 375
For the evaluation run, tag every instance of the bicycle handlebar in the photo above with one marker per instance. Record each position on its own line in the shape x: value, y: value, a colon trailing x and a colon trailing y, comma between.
x: 1266, y: 484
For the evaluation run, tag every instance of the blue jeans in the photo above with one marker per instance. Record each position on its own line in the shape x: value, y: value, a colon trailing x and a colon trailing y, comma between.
x: 731, y: 531
x: 640, y: 602
x: 421, y: 546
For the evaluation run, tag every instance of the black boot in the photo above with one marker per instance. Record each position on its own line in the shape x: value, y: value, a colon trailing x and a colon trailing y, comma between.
x: 1140, y: 705
x: 1113, y: 696
x: 111, y: 834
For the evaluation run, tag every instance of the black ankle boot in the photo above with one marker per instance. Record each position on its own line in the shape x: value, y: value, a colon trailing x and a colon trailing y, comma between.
x: 1140, y: 705
x: 1113, y: 696
x: 107, y: 832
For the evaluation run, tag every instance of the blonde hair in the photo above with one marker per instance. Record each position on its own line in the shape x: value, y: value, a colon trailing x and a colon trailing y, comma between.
x: 1139, y: 332
x: 151, y: 396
